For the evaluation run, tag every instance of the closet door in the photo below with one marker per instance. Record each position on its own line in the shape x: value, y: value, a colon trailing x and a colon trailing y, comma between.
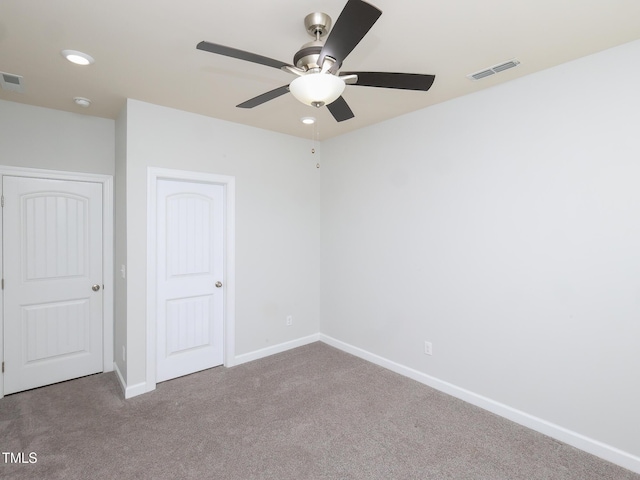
x: 52, y: 250
x: 190, y: 267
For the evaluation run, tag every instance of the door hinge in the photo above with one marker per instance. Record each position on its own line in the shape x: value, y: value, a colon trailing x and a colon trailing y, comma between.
x: 2, y: 200
x: 2, y: 367
x: 2, y: 284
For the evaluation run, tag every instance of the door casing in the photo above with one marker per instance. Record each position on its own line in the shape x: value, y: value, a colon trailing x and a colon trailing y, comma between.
x: 107, y: 258
x: 228, y: 182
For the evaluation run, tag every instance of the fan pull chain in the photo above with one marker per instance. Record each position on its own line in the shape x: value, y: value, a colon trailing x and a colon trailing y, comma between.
x: 314, y: 135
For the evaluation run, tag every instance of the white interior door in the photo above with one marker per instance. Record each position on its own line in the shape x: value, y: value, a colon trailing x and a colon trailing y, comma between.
x: 190, y: 270
x: 52, y: 249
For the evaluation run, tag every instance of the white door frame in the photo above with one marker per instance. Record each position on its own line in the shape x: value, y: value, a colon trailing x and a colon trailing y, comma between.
x: 107, y: 251
x: 228, y: 182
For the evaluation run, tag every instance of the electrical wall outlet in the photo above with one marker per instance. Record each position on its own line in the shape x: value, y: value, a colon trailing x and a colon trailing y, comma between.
x: 289, y: 320
x: 428, y: 348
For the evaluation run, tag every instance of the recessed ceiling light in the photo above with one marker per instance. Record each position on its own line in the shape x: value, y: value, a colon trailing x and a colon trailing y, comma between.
x: 78, y: 58
x: 83, y: 102
x: 308, y: 120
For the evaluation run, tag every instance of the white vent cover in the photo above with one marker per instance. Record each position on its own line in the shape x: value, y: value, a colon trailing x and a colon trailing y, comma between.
x: 493, y: 70
x: 9, y: 81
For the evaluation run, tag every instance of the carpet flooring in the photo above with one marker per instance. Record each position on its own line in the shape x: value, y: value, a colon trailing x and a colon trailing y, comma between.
x: 310, y: 413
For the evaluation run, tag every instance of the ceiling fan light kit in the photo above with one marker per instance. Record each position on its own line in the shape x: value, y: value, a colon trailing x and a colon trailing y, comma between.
x: 317, y: 63
x: 317, y: 89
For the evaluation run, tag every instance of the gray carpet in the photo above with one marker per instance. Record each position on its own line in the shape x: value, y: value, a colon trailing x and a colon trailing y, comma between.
x: 310, y: 413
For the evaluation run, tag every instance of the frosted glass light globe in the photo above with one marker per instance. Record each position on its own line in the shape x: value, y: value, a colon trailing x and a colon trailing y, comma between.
x: 317, y: 89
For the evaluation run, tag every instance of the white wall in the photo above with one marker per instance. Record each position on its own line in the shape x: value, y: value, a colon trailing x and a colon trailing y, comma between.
x: 503, y: 227
x: 120, y: 244
x: 277, y: 221
x: 37, y: 137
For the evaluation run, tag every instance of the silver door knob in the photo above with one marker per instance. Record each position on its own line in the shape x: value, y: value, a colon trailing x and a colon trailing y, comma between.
x: 95, y: 288
x: 218, y: 284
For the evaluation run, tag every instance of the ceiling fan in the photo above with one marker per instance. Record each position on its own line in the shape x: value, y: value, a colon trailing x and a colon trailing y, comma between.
x: 317, y: 63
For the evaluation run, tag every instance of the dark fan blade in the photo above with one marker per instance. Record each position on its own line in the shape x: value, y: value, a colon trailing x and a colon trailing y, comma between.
x: 406, y: 81
x: 352, y: 25
x: 265, y: 97
x: 340, y: 110
x: 240, y: 54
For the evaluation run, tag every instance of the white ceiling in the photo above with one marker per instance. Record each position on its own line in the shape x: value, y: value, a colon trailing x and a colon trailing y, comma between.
x: 146, y: 50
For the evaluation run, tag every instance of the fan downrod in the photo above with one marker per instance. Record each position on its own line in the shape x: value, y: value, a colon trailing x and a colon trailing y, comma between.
x: 317, y: 25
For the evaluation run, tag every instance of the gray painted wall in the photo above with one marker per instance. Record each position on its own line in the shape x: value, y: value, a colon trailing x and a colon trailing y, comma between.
x: 37, y: 137
x: 120, y: 244
x: 504, y: 228
x: 277, y: 221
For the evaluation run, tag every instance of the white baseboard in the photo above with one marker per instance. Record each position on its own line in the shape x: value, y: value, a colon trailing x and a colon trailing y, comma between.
x: 135, y: 390
x: 594, y: 447
x: 123, y: 384
x: 281, y: 347
x: 132, y: 390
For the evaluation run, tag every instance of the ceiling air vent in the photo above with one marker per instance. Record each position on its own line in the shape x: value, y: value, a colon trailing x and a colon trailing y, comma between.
x: 9, y: 81
x: 493, y: 70
x: 482, y: 74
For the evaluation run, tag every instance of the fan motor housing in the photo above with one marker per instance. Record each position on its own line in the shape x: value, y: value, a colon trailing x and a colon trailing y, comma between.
x: 307, y: 56
x: 317, y: 25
